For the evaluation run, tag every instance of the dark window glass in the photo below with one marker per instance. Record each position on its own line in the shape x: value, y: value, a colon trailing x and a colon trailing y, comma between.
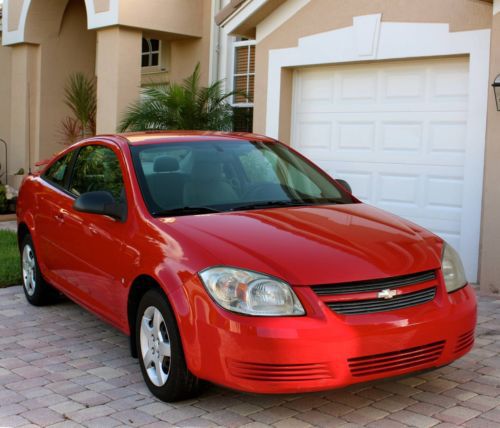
x: 242, y: 119
x: 97, y: 168
x: 155, y: 44
x: 56, y: 174
x: 150, y: 52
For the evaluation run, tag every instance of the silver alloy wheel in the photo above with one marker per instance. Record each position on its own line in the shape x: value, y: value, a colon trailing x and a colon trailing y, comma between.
x: 29, y: 270
x: 155, y: 346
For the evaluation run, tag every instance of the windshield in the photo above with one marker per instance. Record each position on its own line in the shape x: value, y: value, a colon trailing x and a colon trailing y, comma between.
x: 215, y: 176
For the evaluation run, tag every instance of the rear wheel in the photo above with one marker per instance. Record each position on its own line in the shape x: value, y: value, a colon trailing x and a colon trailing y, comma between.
x: 37, y: 291
x: 160, y: 350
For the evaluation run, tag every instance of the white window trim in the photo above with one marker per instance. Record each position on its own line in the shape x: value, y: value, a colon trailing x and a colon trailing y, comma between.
x: 232, y: 75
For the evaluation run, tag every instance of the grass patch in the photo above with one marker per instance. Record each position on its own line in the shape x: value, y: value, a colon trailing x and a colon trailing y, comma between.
x: 10, y: 269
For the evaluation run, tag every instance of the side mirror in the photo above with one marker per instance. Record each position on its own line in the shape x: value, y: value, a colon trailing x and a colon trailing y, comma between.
x: 100, y: 202
x: 344, y: 184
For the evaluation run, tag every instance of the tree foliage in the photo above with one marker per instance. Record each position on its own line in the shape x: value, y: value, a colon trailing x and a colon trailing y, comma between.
x: 185, y: 105
x: 81, y: 98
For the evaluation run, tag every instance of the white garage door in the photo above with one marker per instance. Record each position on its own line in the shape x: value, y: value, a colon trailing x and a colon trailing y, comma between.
x: 397, y: 132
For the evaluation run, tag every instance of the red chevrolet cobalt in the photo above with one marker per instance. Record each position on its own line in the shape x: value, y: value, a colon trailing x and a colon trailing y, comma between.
x: 231, y: 258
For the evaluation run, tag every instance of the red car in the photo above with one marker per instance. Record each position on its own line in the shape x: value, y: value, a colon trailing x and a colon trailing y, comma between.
x: 231, y: 258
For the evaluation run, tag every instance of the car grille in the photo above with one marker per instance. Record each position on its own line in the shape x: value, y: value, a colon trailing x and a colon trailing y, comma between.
x: 362, y: 297
x: 279, y: 372
x: 380, y: 305
x: 374, y: 285
x: 465, y: 341
x: 398, y: 360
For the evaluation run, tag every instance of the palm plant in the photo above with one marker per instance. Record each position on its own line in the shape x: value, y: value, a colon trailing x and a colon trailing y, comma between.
x: 80, y: 96
x: 181, y: 106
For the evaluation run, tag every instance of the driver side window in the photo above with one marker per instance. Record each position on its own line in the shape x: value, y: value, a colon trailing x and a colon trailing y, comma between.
x: 97, y: 168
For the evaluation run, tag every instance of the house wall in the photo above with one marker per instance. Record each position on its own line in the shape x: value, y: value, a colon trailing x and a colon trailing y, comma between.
x: 311, y: 19
x: 490, y: 246
x: 72, y: 49
x: 186, y: 53
x: 5, y: 65
x: 173, y: 16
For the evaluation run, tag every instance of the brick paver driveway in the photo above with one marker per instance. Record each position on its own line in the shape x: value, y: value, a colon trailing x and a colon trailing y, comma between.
x: 61, y: 366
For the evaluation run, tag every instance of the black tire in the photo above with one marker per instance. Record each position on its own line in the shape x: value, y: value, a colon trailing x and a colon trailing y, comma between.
x: 179, y: 383
x: 37, y: 291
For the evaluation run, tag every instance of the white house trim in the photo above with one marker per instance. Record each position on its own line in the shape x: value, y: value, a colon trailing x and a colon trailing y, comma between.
x: 102, y: 19
x: 496, y: 6
x: 399, y: 41
x: 279, y: 17
x: 94, y: 20
x: 246, y: 10
x: 17, y: 35
x: 367, y: 34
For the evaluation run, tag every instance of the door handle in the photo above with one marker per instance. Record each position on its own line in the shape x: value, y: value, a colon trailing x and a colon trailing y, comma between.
x: 93, y: 230
x: 59, y: 218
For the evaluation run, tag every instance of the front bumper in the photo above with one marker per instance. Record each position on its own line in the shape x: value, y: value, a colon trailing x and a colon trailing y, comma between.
x: 324, y: 350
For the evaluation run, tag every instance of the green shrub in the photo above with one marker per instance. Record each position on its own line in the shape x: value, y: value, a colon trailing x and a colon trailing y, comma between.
x: 3, y: 199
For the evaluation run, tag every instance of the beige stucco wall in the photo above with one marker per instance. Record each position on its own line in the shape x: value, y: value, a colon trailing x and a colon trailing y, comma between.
x: 326, y: 15
x: 118, y: 70
x: 71, y: 50
x: 490, y: 237
x: 24, y: 106
x: 185, y: 53
x: 172, y: 16
x: 5, y: 65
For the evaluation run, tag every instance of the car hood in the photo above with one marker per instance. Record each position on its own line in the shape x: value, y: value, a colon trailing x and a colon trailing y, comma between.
x: 308, y: 245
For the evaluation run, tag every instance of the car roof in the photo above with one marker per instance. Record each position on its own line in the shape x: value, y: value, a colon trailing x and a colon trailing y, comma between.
x: 156, y: 137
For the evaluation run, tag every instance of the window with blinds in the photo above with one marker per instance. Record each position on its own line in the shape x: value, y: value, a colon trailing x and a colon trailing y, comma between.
x: 244, y: 72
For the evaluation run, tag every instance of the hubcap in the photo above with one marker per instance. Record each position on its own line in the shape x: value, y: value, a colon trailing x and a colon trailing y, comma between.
x: 29, y: 270
x: 155, y: 346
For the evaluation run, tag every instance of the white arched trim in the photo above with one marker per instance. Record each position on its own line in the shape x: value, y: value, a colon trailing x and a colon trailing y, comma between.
x: 369, y: 39
x: 94, y: 20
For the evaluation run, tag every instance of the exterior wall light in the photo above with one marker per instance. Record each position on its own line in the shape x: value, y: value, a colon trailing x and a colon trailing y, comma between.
x: 496, y: 88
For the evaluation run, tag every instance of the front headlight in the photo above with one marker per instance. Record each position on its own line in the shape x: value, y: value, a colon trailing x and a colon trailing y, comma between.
x: 453, y: 270
x: 250, y: 293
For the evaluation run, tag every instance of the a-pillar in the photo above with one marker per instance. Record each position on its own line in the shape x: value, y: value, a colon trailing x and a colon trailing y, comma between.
x: 490, y: 238
x: 24, y: 145
x: 118, y: 70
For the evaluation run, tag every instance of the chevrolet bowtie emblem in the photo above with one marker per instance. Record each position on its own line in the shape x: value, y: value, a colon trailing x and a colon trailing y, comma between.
x: 387, y: 294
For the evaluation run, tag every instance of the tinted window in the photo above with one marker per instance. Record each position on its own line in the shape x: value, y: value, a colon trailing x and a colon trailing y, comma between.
x: 228, y: 175
x: 97, y: 168
x: 56, y: 174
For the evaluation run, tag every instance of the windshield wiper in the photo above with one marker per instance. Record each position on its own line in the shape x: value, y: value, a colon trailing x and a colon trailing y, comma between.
x: 284, y: 203
x: 185, y: 211
x: 270, y: 204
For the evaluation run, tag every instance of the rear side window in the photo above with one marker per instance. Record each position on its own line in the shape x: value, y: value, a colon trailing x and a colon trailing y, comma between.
x: 97, y: 168
x: 57, y: 173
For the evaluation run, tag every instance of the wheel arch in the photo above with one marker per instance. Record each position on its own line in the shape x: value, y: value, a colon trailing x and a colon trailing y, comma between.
x: 22, y: 231
x: 140, y: 286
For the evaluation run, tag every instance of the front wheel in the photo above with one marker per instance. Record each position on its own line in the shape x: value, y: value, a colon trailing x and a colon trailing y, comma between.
x: 160, y: 350
x: 37, y: 291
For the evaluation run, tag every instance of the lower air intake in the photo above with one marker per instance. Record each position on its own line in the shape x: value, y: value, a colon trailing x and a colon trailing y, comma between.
x: 279, y: 372
x: 397, y: 360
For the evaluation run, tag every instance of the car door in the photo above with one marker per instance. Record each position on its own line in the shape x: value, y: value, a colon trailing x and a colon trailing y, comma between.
x: 53, y: 201
x: 95, y: 243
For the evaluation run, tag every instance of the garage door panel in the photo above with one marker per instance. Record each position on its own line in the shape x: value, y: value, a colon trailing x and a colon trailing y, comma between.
x: 425, y: 139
